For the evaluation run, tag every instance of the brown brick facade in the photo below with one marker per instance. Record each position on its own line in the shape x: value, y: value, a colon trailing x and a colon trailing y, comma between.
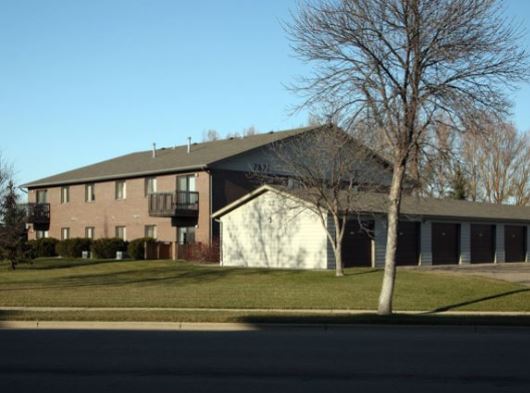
x: 106, y: 213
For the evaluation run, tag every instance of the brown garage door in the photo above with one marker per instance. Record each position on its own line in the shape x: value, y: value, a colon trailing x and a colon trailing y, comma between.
x: 445, y: 244
x: 357, y: 244
x: 482, y: 243
x: 515, y: 243
x: 408, y: 247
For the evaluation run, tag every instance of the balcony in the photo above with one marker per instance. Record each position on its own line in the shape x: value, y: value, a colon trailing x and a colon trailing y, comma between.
x: 37, y: 213
x: 174, y: 204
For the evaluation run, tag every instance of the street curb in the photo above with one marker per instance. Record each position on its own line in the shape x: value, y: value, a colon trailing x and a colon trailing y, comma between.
x: 113, y: 325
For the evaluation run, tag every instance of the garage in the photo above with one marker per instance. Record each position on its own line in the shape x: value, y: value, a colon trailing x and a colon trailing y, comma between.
x: 357, y: 244
x: 482, y: 243
x: 515, y: 243
x: 408, y: 247
x: 445, y: 243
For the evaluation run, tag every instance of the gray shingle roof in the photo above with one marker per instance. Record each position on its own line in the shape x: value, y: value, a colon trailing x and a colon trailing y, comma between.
x: 167, y: 160
x: 411, y: 207
x: 445, y: 208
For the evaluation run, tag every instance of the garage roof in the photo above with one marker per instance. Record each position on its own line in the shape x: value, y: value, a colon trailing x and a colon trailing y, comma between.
x: 377, y: 203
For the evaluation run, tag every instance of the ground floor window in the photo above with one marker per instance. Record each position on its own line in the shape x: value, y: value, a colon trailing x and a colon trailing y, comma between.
x: 89, y: 232
x: 65, y: 233
x: 186, y: 235
x: 150, y: 231
x: 42, y: 234
x: 121, y: 232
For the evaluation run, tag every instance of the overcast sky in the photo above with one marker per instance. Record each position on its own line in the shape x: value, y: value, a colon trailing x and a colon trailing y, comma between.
x: 83, y: 81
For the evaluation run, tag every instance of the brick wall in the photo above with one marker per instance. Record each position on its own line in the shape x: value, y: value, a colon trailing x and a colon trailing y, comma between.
x: 105, y: 213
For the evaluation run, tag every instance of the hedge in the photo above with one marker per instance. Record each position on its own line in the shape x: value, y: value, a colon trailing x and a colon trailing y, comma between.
x: 43, y: 248
x: 107, y: 247
x: 136, y: 247
x: 73, y: 248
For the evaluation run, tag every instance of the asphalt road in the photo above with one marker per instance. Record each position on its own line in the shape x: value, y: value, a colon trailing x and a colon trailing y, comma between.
x: 364, y: 359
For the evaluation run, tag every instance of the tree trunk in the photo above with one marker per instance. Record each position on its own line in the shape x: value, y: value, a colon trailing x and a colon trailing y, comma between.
x: 387, y: 289
x: 339, y: 271
x: 339, y: 232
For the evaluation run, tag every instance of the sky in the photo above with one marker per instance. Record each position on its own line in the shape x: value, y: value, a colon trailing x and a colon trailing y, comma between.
x: 85, y: 81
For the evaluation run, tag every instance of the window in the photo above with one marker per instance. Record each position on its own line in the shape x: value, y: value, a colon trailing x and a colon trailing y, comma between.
x: 65, y: 194
x: 186, y: 183
x: 186, y: 235
x: 121, y: 190
x: 121, y: 232
x: 90, y: 192
x: 42, y: 234
x: 89, y: 232
x: 150, y: 231
x: 150, y: 185
x: 65, y: 233
x: 42, y: 196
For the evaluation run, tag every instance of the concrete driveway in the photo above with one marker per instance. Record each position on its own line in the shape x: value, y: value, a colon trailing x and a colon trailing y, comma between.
x: 513, y: 272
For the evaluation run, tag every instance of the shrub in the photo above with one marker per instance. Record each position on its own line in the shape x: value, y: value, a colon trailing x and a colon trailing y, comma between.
x: 136, y: 247
x: 73, y: 248
x: 107, y: 247
x: 200, y: 252
x: 43, y: 248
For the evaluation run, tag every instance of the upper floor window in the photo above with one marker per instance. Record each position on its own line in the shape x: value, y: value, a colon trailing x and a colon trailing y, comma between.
x: 186, y: 183
x: 150, y: 185
x: 90, y: 192
x: 150, y: 231
x: 89, y: 232
x: 65, y: 194
x: 65, y: 233
x: 42, y: 196
x: 121, y: 189
x: 121, y: 232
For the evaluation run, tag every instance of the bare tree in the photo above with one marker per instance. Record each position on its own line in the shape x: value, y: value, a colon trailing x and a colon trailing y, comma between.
x: 330, y: 170
x: 210, y: 135
x: 521, y: 175
x: 496, y: 161
x: 401, y: 64
x: 249, y: 131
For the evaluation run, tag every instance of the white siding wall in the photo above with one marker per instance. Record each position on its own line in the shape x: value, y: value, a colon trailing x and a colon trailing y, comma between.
x: 426, y: 243
x: 465, y: 243
x: 499, y: 243
x: 273, y: 231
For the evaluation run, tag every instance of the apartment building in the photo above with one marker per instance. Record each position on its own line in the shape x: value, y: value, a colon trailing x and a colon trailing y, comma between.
x: 166, y: 193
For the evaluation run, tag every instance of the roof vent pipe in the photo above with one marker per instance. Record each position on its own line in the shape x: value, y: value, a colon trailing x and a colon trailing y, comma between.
x: 189, y: 144
x: 154, y: 150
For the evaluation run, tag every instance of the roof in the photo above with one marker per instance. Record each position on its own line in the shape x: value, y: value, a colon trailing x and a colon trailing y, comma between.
x: 167, y: 160
x: 377, y: 203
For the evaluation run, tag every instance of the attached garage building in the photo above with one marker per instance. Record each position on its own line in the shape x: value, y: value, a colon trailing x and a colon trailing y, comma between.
x: 273, y: 227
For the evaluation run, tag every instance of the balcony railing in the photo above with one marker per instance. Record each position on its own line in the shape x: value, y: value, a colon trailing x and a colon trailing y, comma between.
x: 37, y: 213
x: 174, y: 204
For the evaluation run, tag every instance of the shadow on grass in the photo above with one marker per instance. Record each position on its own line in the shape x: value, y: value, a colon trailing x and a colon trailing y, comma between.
x: 477, y: 300
x: 55, y: 264
x: 184, y: 274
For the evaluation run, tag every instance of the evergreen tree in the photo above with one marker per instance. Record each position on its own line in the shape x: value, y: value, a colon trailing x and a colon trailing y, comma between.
x: 13, y: 234
x: 458, y: 185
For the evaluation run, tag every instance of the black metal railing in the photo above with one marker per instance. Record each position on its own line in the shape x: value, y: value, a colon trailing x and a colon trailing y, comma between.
x: 37, y: 213
x: 171, y: 204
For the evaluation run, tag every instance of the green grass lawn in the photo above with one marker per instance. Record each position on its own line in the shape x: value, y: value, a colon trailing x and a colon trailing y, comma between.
x: 55, y: 282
